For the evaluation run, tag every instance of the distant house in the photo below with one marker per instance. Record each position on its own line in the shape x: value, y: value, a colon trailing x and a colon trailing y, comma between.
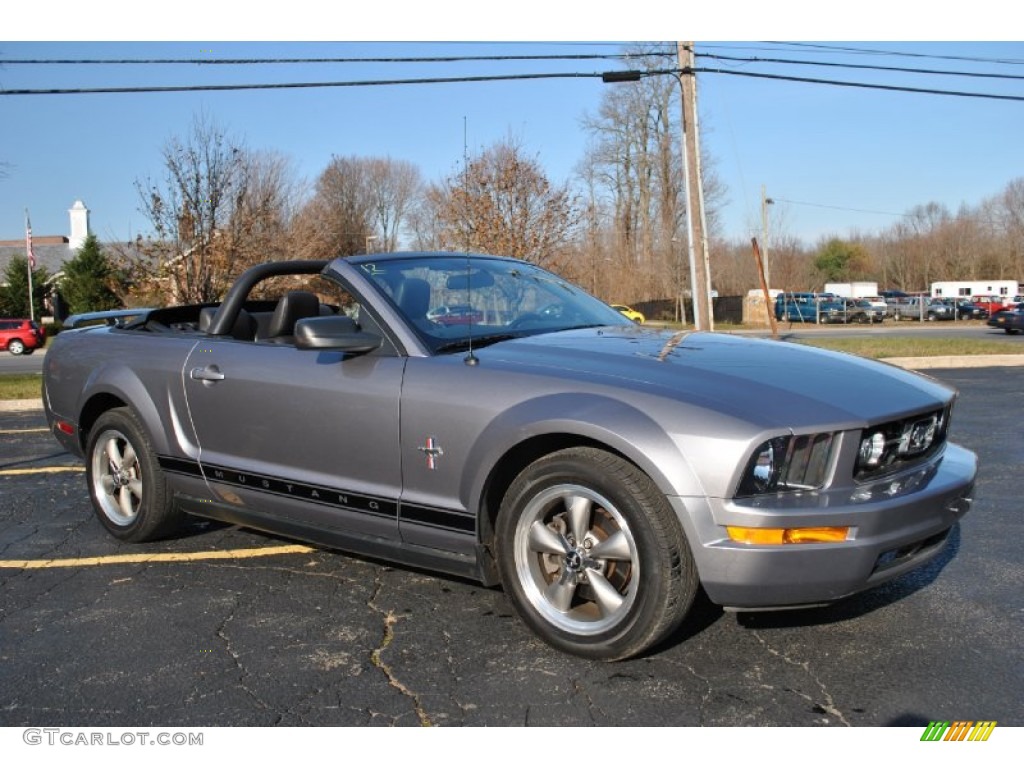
x: 51, y: 251
x: 967, y: 288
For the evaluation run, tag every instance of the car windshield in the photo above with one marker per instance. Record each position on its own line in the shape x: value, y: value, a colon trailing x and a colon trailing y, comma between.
x: 450, y: 300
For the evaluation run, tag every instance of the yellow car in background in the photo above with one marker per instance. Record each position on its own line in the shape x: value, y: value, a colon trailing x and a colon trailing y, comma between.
x: 632, y: 314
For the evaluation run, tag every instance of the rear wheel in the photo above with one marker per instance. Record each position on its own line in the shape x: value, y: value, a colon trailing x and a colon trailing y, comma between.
x: 16, y: 347
x: 592, y: 556
x: 129, y: 492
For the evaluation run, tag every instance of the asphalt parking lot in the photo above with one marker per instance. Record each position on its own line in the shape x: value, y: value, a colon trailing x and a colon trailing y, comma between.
x: 98, y: 633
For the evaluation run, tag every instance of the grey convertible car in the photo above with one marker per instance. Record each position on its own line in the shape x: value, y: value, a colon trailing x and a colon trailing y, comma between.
x: 599, y: 471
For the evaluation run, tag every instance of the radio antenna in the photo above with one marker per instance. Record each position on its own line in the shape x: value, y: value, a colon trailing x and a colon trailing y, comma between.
x: 470, y: 358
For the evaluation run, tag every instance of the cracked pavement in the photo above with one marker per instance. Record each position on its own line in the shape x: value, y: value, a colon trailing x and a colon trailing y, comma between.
x: 322, y: 638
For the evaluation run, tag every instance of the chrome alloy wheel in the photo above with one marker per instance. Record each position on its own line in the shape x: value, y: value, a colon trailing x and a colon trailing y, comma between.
x: 576, y: 559
x: 116, y: 477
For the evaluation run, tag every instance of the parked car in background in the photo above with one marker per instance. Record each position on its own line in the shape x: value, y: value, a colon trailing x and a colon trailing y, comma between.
x: 890, y: 295
x: 878, y: 303
x: 809, y: 308
x: 457, y: 314
x: 863, y: 311
x: 632, y: 314
x: 1010, y: 320
x: 21, y: 336
x: 600, y: 471
x: 965, y: 310
x: 991, y: 303
x: 919, y: 308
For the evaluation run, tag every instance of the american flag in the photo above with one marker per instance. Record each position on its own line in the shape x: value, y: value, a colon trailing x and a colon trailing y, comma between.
x: 28, y: 242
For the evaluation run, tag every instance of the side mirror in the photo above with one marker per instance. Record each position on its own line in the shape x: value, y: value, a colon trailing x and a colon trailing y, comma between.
x: 334, y: 332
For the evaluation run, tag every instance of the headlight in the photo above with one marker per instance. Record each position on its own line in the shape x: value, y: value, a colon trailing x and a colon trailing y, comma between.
x: 872, y: 448
x: 886, y: 447
x: 764, y: 468
x: 788, y: 463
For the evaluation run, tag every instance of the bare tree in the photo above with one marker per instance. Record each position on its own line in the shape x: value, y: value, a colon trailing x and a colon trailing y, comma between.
x: 503, y: 203
x: 393, y: 186
x: 203, y: 177
x: 635, y: 159
x: 337, y: 221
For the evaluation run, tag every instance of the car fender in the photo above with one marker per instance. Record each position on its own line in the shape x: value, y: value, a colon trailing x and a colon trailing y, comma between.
x: 169, y: 434
x: 593, y: 418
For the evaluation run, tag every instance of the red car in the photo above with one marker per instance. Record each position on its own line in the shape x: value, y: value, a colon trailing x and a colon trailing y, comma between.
x: 21, y: 337
x: 991, y: 304
x: 457, y: 314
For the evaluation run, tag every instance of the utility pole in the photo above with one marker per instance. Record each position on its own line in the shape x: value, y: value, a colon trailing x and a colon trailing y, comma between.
x: 765, y: 202
x: 696, y: 224
x: 30, y: 264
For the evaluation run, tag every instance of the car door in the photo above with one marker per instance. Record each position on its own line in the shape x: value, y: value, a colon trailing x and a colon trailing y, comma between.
x: 303, y: 436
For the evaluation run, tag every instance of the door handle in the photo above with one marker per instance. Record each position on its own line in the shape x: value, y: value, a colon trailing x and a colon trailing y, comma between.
x: 206, y: 374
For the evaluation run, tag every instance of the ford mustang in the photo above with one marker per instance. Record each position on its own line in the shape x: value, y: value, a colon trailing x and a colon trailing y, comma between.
x: 599, y: 471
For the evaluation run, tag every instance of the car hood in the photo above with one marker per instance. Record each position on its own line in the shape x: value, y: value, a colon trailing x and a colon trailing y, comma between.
x: 771, y: 383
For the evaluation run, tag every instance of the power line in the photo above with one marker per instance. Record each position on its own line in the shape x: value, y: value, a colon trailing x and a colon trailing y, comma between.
x: 847, y: 84
x: 875, y: 67
x: 620, y: 74
x: 840, y: 208
x: 335, y: 84
x: 344, y: 59
x: 882, y: 52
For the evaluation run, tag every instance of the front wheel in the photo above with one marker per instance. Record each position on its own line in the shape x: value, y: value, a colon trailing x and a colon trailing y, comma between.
x: 128, y: 490
x: 16, y: 347
x: 592, y: 555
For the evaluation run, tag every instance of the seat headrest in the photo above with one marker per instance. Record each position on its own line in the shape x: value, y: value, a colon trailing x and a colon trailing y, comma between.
x: 244, y: 327
x: 413, y: 297
x: 292, y: 307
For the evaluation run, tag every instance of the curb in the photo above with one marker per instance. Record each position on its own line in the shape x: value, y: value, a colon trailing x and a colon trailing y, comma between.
x: 956, y: 361
x: 21, y: 405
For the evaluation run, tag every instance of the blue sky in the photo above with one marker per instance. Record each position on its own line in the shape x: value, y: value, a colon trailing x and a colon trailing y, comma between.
x: 836, y: 160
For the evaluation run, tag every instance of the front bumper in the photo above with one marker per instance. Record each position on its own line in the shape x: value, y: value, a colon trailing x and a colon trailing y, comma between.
x: 897, y: 524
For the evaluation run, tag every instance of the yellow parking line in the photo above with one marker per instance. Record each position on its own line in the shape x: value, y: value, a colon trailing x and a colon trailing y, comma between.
x: 22, y: 431
x: 159, y: 557
x: 40, y: 470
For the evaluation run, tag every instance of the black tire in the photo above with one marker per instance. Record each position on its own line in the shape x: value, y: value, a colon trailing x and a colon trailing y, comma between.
x: 630, y: 581
x: 1010, y: 331
x: 16, y: 347
x: 128, y: 489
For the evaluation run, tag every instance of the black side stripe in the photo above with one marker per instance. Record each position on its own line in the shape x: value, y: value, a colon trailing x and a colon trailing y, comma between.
x: 438, y: 518
x: 334, y: 497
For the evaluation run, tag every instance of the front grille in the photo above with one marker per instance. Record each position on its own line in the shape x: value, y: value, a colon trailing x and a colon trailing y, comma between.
x: 807, y: 461
x: 907, y: 442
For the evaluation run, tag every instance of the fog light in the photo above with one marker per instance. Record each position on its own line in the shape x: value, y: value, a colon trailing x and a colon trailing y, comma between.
x: 763, y: 536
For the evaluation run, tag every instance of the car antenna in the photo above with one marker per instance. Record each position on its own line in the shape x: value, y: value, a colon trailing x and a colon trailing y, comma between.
x: 470, y: 358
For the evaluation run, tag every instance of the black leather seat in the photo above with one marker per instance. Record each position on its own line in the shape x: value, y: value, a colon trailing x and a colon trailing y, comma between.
x: 293, y: 306
x: 244, y: 328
